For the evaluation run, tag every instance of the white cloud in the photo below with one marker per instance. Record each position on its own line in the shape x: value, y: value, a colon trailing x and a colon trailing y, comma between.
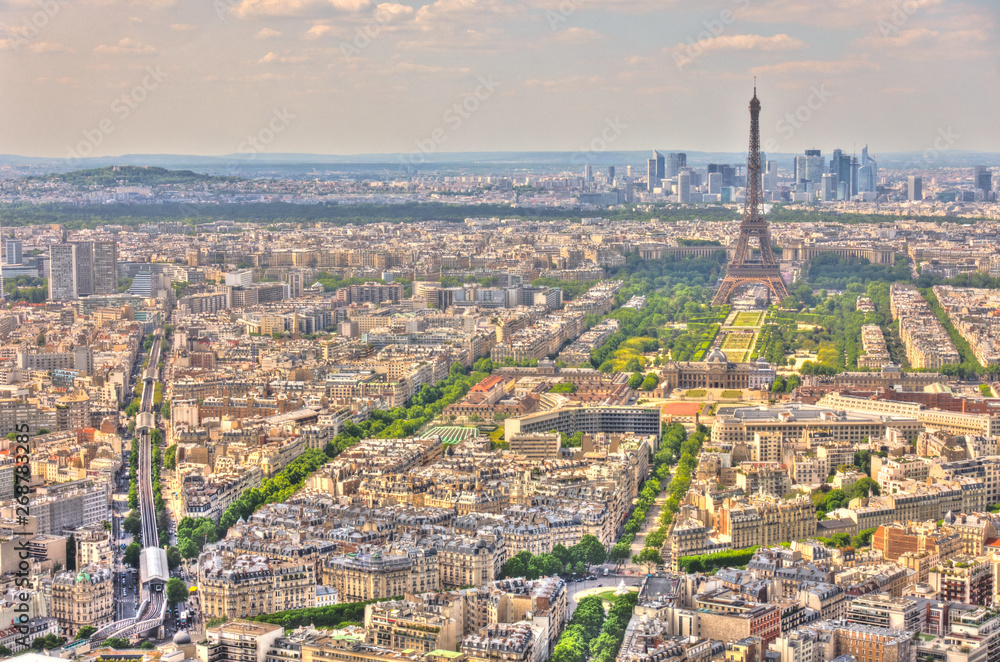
x: 686, y: 53
x: 274, y: 58
x: 923, y: 37
x: 49, y: 47
x: 125, y: 46
x: 183, y: 27
x: 578, y: 36
x: 815, y: 67
x: 317, y: 31
x: 267, y: 33
x: 833, y: 13
x: 296, y: 8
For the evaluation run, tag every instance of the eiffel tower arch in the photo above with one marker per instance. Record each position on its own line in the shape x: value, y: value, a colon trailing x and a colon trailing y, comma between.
x: 744, y: 268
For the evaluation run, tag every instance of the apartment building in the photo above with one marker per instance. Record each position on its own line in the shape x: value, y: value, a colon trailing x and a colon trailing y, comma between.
x: 83, y: 598
x: 764, y: 520
x: 868, y: 643
x: 507, y: 642
x: 370, y: 576
x: 885, y: 611
x: 241, y: 586
x: 924, y: 337
x: 241, y: 640
x: 964, y: 579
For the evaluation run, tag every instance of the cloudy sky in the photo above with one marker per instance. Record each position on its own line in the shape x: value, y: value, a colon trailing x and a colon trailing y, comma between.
x: 108, y: 77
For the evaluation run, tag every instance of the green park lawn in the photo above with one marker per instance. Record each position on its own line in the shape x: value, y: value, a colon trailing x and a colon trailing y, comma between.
x: 747, y: 319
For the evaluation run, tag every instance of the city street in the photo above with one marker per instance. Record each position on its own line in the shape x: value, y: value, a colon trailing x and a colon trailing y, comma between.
x: 652, y: 524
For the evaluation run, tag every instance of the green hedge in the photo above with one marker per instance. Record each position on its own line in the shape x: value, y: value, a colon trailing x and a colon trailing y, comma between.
x: 708, y: 562
x: 329, y: 616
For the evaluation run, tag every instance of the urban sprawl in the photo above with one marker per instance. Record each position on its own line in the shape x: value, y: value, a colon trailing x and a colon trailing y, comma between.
x: 507, y: 439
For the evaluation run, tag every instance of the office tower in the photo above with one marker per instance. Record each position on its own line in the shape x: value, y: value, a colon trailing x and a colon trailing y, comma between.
x: 628, y: 171
x: 829, y: 189
x: 915, y: 187
x: 62, y: 272
x: 684, y: 186
x: 14, y: 251
x: 106, y: 266
x: 675, y: 162
x: 743, y: 269
x: 295, y: 280
x: 728, y: 173
x: 840, y: 165
x: 660, y: 166
x: 611, y: 174
x: 84, y: 268
x: 867, y: 173
x: 855, y: 172
x: 715, y: 182
x: 771, y: 177
x: 652, y: 181
x: 982, y: 179
x: 142, y: 284
x: 809, y: 167
x: 588, y: 172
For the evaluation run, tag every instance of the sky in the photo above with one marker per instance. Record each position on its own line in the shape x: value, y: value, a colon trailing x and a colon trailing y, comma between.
x: 213, y: 77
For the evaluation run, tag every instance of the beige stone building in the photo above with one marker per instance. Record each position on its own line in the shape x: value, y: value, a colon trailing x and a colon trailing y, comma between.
x: 377, y: 575
x: 766, y: 521
x: 241, y: 586
x: 83, y: 598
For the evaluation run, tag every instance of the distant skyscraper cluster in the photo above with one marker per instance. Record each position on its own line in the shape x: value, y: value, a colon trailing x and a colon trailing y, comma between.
x: 82, y: 268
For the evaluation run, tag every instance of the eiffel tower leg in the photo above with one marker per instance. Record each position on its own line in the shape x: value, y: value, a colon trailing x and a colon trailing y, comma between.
x: 777, y: 287
x: 726, y: 288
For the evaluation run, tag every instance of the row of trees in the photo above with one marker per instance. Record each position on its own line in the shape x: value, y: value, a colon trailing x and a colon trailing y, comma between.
x: 170, y: 458
x: 322, y: 617
x: 670, y: 443
x: 579, y: 640
x: 605, y: 648
x: 561, y: 560
x: 278, y: 487
x: 76, y: 217
x: 686, y: 449
x: 703, y: 563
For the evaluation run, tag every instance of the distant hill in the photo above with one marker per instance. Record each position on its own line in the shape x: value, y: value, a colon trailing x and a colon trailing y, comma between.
x: 128, y: 175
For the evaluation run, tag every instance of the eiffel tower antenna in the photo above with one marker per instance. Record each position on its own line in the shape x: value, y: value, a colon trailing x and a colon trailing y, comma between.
x: 743, y: 268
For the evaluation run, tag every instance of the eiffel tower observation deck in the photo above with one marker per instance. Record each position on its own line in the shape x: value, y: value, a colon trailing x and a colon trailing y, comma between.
x: 746, y: 268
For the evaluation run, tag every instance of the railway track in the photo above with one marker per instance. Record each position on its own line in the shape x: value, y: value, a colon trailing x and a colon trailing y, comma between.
x: 153, y: 608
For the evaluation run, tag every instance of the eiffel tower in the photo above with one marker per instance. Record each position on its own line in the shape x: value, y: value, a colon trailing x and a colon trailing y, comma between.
x: 744, y: 268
